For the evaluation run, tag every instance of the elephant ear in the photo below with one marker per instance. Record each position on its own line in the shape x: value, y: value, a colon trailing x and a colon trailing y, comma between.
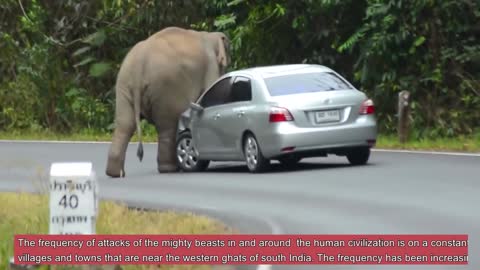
x: 222, y: 54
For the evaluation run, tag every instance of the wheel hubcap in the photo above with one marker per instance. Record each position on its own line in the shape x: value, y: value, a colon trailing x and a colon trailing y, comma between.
x: 186, y: 153
x: 251, y: 153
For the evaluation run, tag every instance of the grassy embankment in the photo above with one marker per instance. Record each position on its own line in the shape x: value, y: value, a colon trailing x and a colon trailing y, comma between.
x: 22, y: 213
x: 461, y: 143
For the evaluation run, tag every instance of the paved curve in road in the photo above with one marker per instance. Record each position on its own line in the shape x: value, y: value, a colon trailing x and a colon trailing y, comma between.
x: 397, y: 193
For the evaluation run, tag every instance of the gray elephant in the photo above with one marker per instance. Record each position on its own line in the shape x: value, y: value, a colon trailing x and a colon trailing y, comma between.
x: 157, y: 80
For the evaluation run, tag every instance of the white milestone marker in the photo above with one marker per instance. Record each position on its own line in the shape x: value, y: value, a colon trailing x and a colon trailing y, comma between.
x: 73, y: 198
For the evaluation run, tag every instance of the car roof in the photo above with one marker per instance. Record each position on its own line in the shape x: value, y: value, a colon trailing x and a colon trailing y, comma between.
x: 279, y: 70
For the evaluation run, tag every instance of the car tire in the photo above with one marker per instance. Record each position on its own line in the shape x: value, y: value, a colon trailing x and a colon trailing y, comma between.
x: 254, y: 158
x: 359, y: 156
x: 289, y: 161
x: 187, y: 155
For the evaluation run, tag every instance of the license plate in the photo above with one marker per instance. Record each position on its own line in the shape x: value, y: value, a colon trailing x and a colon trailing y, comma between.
x: 327, y: 116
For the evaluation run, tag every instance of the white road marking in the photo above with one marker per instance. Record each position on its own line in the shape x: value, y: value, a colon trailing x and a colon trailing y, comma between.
x: 428, y: 152
x: 275, y: 228
x: 264, y: 267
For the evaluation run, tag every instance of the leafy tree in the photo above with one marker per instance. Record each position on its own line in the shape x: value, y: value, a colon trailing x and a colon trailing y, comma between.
x: 59, y: 59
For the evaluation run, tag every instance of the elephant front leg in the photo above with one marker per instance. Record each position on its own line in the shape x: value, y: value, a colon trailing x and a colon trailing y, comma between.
x: 166, y: 154
x: 117, y: 152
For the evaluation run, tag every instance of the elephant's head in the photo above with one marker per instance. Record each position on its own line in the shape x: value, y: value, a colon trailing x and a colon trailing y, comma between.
x: 221, y: 45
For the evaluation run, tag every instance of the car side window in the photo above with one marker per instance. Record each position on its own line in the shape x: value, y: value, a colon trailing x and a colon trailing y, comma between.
x: 218, y: 94
x: 241, y: 90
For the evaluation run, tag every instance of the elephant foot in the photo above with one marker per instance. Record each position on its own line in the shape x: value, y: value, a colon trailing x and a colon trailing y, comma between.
x: 167, y: 168
x: 114, y: 171
x: 119, y: 174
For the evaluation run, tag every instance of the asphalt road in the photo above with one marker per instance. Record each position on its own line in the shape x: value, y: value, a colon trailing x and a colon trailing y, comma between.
x: 397, y: 193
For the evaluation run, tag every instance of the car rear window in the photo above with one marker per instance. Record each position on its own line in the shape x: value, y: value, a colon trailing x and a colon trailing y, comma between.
x: 305, y: 83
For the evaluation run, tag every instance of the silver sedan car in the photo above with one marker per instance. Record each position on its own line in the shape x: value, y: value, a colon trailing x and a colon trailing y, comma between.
x: 281, y: 112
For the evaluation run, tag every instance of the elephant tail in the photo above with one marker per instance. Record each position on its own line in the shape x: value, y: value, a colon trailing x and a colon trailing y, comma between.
x: 136, y: 109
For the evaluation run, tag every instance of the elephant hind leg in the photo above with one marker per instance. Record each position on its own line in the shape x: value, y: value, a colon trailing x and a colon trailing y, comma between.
x: 166, y: 154
x: 125, y: 127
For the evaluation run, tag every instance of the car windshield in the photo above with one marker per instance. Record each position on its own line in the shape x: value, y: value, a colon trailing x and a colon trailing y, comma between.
x: 305, y: 83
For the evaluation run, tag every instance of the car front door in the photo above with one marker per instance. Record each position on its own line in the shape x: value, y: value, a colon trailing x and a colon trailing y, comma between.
x: 207, y: 131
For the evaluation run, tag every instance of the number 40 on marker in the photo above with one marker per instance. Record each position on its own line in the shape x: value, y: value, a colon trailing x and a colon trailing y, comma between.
x: 70, y: 201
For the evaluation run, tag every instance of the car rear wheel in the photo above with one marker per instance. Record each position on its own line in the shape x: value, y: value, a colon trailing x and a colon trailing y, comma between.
x: 256, y: 162
x: 187, y: 155
x: 289, y: 161
x: 359, y: 156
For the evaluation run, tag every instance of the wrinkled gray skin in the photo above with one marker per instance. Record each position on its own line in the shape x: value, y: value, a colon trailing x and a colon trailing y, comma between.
x: 158, y: 79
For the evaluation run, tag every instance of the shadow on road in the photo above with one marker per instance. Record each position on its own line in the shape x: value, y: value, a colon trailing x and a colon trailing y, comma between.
x: 279, y: 168
x: 241, y: 167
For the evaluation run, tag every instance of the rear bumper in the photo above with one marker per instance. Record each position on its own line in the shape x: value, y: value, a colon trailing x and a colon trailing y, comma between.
x: 286, y: 138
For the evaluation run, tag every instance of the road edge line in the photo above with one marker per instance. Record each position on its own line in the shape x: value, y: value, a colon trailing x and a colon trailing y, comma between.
x: 275, y: 229
x: 425, y: 152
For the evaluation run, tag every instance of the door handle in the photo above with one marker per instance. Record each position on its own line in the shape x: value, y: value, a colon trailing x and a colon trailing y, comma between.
x: 240, y: 114
x: 216, y: 116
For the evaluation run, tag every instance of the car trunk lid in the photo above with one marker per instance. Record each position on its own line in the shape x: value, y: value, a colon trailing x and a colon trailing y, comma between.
x: 319, y: 109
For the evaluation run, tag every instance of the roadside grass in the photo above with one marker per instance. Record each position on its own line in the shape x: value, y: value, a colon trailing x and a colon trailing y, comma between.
x: 460, y: 143
x: 23, y: 213
x: 148, y: 135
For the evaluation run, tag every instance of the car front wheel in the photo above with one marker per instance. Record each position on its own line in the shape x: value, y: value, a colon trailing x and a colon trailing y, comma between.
x: 187, y: 155
x: 256, y: 162
x: 359, y: 156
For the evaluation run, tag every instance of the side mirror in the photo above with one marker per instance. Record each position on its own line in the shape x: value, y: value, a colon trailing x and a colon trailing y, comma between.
x: 196, y: 107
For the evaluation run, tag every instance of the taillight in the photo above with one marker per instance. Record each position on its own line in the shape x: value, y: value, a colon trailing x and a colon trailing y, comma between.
x: 367, y: 107
x: 278, y: 114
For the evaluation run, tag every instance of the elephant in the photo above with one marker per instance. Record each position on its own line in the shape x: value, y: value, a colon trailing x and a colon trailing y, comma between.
x: 158, y: 79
